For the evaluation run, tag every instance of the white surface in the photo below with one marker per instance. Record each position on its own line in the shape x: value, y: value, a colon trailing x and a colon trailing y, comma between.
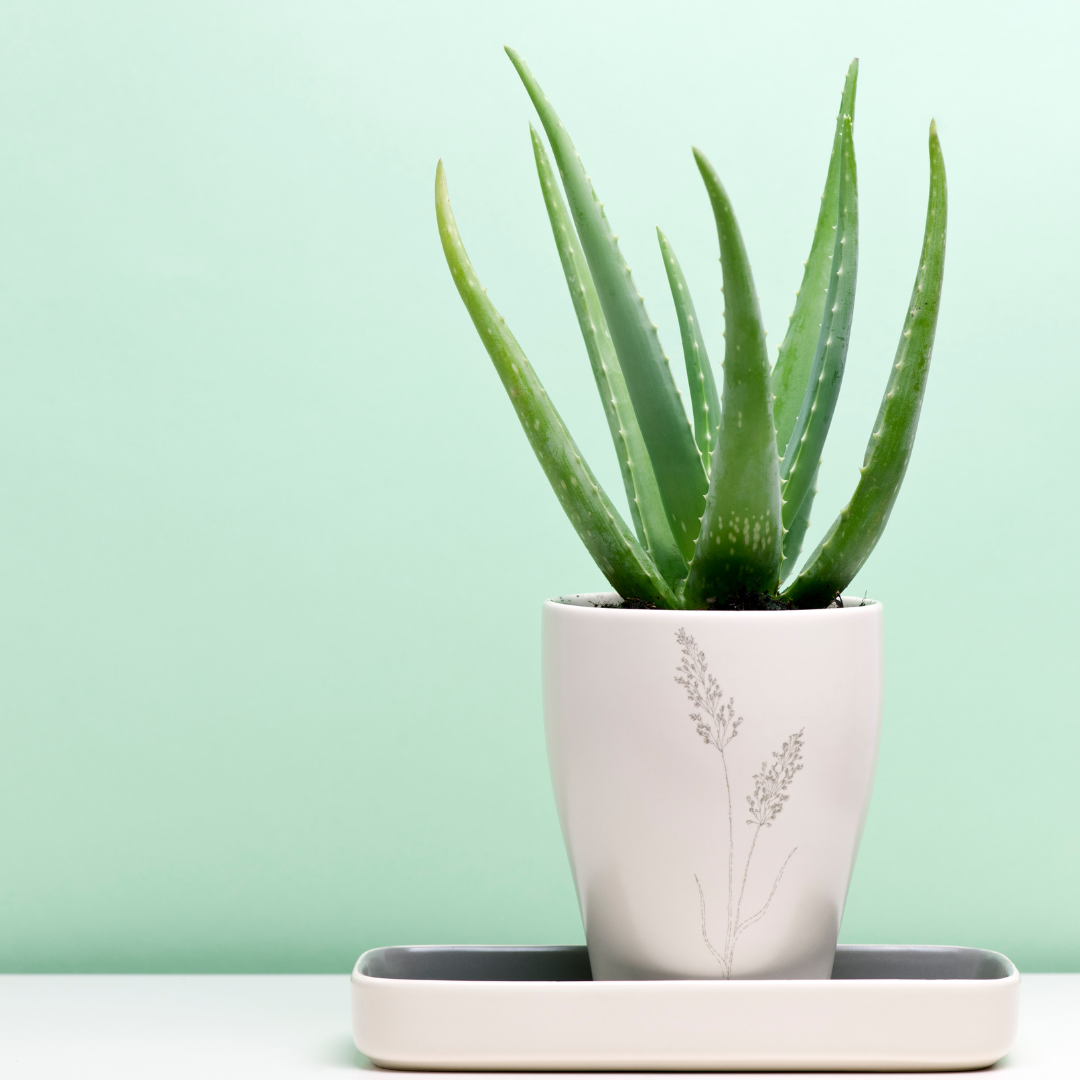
x: 266, y: 1026
x: 847, y: 1023
x: 678, y: 874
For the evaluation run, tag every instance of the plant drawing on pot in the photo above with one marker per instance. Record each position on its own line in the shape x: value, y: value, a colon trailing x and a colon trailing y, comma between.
x: 719, y: 510
x: 766, y: 802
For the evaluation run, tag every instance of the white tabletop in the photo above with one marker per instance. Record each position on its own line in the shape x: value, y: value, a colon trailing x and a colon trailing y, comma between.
x: 269, y: 1026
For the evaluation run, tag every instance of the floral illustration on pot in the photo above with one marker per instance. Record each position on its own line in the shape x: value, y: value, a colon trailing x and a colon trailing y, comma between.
x: 718, y: 726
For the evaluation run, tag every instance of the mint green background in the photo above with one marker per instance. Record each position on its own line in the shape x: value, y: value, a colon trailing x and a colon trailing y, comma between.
x: 272, y: 549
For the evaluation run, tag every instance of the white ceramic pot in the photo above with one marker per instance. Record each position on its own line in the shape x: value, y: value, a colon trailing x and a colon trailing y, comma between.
x: 712, y: 772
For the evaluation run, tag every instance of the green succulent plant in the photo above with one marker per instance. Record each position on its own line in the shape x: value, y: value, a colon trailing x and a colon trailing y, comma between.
x: 719, y: 510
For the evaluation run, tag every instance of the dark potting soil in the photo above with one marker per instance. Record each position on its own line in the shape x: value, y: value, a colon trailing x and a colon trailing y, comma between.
x: 747, y: 601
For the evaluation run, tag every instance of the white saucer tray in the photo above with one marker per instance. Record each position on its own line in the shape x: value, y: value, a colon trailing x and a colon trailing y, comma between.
x: 537, y: 1008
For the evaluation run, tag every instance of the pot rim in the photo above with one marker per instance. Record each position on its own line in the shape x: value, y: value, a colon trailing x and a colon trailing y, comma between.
x: 596, y: 602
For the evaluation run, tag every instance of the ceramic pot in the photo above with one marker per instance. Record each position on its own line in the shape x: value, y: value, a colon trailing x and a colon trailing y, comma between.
x: 712, y: 772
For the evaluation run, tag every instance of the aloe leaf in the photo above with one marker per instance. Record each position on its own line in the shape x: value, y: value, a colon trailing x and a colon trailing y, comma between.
x: 800, y: 463
x: 792, y: 372
x: 612, y: 545
x: 796, y: 532
x: 699, y: 373
x: 677, y: 465
x: 646, y: 506
x: 848, y: 543
x: 739, y: 549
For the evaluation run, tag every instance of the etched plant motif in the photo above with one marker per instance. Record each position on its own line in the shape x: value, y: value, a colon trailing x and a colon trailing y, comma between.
x: 717, y: 725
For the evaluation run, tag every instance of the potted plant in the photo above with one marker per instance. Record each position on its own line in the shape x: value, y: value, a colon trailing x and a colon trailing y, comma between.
x: 712, y: 726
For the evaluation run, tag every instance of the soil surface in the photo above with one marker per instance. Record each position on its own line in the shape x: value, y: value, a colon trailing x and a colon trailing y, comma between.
x: 747, y: 601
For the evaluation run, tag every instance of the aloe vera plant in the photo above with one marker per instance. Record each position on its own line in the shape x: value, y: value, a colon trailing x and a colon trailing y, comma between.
x: 719, y: 508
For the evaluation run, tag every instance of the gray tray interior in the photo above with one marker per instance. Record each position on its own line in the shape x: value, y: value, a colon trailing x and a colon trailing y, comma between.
x: 570, y: 963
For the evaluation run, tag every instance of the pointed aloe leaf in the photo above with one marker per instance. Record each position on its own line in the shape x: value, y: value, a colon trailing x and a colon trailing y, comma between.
x: 676, y: 461
x: 699, y: 373
x: 646, y: 506
x: 792, y: 371
x: 800, y: 463
x: 616, y: 551
x: 739, y: 549
x: 796, y: 532
x: 848, y: 543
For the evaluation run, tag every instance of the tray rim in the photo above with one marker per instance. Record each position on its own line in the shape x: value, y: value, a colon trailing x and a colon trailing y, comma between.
x: 1011, y: 976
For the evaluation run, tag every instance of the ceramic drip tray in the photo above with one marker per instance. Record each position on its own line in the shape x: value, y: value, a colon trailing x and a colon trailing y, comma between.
x: 537, y: 1008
